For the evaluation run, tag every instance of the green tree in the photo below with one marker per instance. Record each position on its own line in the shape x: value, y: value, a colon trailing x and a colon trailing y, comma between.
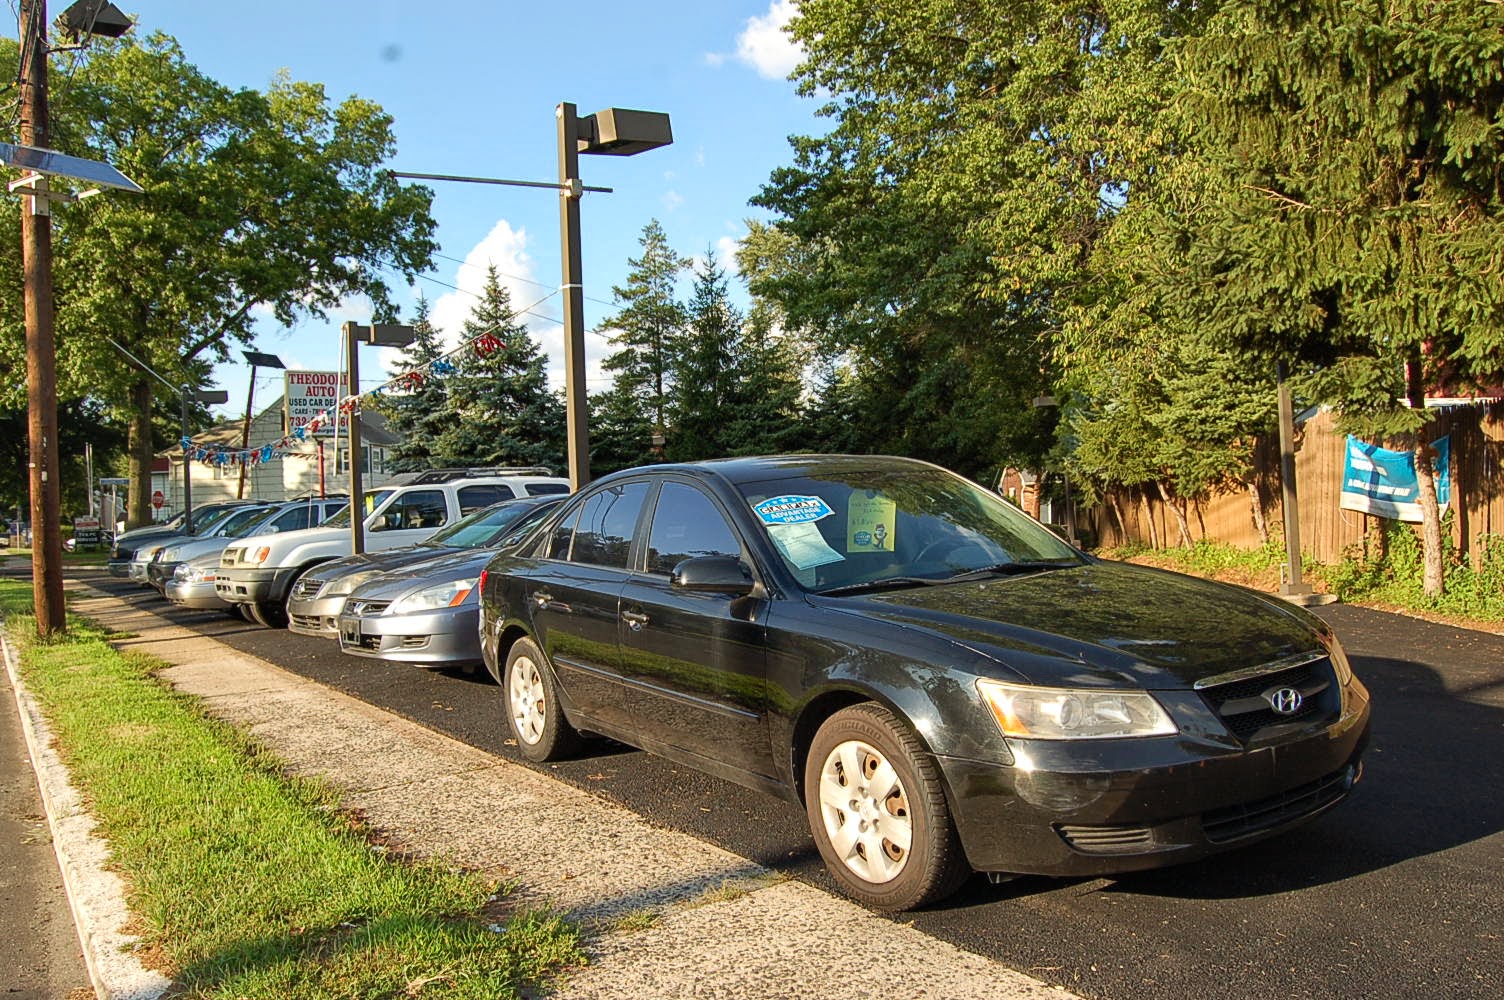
x: 253, y: 201
x: 647, y: 327
x: 621, y: 431
x: 1340, y: 205
x: 500, y: 409
x: 417, y: 416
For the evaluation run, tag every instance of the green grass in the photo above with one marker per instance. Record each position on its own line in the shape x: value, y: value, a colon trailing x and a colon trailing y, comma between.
x: 246, y: 882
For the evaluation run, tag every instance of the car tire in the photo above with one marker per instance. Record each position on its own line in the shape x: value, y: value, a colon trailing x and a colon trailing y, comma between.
x: 884, y: 832
x: 245, y: 613
x: 530, y: 695
x: 272, y: 614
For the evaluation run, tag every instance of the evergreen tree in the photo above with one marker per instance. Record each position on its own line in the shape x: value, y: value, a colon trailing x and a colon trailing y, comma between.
x: 417, y: 417
x: 501, y: 411
x: 766, y: 416
x: 1339, y: 205
x: 621, y: 432
x: 647, y: 329
x: 706, y: 369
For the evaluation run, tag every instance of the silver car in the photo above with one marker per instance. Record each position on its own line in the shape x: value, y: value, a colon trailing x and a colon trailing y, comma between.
x: 316, y: 600
x: 192, y: 585
x: 249, y: 522
x: 428, y: 612
x: 138, y: 566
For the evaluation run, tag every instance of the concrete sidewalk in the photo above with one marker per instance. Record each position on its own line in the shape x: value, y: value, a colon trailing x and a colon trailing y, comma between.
x: 722, y: 927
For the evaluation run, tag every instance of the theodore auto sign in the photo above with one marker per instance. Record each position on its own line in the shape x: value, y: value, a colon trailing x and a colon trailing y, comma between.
x: 310, y: 393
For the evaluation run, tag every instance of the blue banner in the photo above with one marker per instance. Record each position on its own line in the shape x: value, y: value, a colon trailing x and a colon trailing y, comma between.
x: 1379, y: 481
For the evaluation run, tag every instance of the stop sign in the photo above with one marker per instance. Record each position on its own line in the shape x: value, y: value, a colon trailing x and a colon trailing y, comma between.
x: 157, y: 499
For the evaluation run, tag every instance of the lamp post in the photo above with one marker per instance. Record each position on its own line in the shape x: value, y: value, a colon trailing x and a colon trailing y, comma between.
x: 257, y: 360
x: 187, y: 394
x: 612, y: 132
x: 383, y: 335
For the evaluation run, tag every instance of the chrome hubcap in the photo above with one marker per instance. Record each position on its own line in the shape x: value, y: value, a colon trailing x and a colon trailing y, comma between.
x: 526, y: 695
x: 866, y: 812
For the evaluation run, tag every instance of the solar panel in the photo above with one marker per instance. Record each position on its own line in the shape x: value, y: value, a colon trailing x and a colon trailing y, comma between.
x: 55, y: 164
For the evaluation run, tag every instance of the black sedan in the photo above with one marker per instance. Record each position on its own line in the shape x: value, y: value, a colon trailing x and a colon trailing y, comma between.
x: 945, y: 685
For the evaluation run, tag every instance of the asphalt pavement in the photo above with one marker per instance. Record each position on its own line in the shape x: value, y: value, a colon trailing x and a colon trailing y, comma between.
x: 1393, y: 894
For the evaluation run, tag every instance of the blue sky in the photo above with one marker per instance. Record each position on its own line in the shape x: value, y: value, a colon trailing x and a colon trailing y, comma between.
x: 473, y: 86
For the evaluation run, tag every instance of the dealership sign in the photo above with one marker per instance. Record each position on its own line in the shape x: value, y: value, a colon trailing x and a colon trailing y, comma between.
x: 1380, y: 481
x: 310, y: 393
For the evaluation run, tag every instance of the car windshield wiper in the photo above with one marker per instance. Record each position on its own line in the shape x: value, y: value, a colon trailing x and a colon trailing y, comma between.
x: 1007, y: 569
x: 887, y: 583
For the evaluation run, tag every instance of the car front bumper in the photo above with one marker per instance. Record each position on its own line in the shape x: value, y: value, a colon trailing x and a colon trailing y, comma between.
x: 1059, y: 811
x: 253, y: 586
x: 443, y: 637
x: 119, y: 567
x: 198, y: 595
x: 318, y: 616
x: 159, y: 574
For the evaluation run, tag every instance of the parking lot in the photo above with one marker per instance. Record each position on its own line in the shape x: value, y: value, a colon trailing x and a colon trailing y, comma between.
x: 1394, y: 894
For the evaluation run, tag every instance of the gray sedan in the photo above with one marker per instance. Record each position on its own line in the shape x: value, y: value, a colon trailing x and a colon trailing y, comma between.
x: 427, y: 612
x: 316, y: 600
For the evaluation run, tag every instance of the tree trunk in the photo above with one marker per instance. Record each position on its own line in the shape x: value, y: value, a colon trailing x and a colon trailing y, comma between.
x: 1143, y: 496
x: 138, y: 499
x: 1117, y: 513
x: 1256, y: 506
x: 1180, y: 521
x: 1433, y: 578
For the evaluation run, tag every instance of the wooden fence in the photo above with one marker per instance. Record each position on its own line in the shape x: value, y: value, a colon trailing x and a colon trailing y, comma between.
x: 1326, y: 530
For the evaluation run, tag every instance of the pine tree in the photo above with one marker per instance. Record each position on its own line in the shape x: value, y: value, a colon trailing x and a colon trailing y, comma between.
x: 501, y: 411
x: 706, y: 369
x: 417, y: 417
x: 648, y: 327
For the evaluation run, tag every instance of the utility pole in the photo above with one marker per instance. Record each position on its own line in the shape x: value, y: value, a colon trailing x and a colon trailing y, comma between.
x: 41, y: 349
x: 357, y: 507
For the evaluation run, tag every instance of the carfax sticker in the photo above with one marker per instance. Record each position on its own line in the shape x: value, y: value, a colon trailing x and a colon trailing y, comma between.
x: 792, y: 510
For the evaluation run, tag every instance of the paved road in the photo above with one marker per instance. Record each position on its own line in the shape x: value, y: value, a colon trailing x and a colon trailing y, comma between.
x: 40, y: 957
x: 1395, y: 894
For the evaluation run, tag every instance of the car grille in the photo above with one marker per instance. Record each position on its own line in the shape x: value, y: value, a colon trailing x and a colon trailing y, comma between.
x: 1244, y: 707
x: 305, y: 588
x: 229, y: 557
x: 365, y: 608
x: 1249, y: 818
x: 312, y: 622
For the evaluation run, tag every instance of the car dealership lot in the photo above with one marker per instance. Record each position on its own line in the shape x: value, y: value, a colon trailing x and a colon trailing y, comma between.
x: 1393, y: 894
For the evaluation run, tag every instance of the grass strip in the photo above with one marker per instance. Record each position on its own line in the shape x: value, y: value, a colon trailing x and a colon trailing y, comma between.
x: 250, y: 883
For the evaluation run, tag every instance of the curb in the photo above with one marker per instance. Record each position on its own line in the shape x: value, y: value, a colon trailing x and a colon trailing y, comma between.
x: 96, y: 895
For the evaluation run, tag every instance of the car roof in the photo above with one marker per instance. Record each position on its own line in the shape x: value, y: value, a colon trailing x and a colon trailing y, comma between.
x: 754, y: 469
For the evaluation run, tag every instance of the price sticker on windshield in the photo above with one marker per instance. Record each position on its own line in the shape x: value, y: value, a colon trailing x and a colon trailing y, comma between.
x: 792, y: 510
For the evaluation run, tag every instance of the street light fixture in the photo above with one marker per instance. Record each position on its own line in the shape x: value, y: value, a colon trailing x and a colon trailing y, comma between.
x: 257, y: 360
x: 381, y: 335
x: 612, y: 132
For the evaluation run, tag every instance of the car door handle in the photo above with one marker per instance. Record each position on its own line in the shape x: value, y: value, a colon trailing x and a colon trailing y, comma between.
x: 635, y: 620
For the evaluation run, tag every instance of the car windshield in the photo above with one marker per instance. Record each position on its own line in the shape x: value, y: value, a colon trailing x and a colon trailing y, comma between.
x: 374, y: 499
x: 242, y: 520
x: 480, y: 528
x: 205, y: 525
x: 891, y: 526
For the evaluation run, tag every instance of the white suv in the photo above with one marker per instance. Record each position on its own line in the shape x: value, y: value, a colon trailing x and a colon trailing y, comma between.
x: 260, y: 572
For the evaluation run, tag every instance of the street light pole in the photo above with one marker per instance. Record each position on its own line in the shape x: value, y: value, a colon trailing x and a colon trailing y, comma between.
x: 352, y: 430
x: 576, y: 402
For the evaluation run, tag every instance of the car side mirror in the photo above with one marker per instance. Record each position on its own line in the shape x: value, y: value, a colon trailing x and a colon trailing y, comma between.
x: 714, y: 575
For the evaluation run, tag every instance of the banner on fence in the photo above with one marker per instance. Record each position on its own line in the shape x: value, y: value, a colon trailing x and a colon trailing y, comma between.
x: 1382, y: 482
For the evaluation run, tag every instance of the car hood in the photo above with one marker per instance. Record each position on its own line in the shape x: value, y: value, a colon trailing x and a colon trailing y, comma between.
x: 1103, y: 623
x: 385, y: 561
x: 182, y: 551
x: 456, y: 565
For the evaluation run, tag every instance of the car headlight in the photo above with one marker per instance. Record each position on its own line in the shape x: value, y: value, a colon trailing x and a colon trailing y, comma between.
x: 340, y: 586
x: 188, y: 573
x: 257, y: 555
x: 443, y: 595
x: 1040, y: 713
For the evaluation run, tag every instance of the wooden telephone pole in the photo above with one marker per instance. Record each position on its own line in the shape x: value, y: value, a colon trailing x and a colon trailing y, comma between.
x: 41, y: 351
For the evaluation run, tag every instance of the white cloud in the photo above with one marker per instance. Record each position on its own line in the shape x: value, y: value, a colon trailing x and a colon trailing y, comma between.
x: 765, y: 46
x: 725, y: 253
x: 671, y: 200
x: 506, y: 248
